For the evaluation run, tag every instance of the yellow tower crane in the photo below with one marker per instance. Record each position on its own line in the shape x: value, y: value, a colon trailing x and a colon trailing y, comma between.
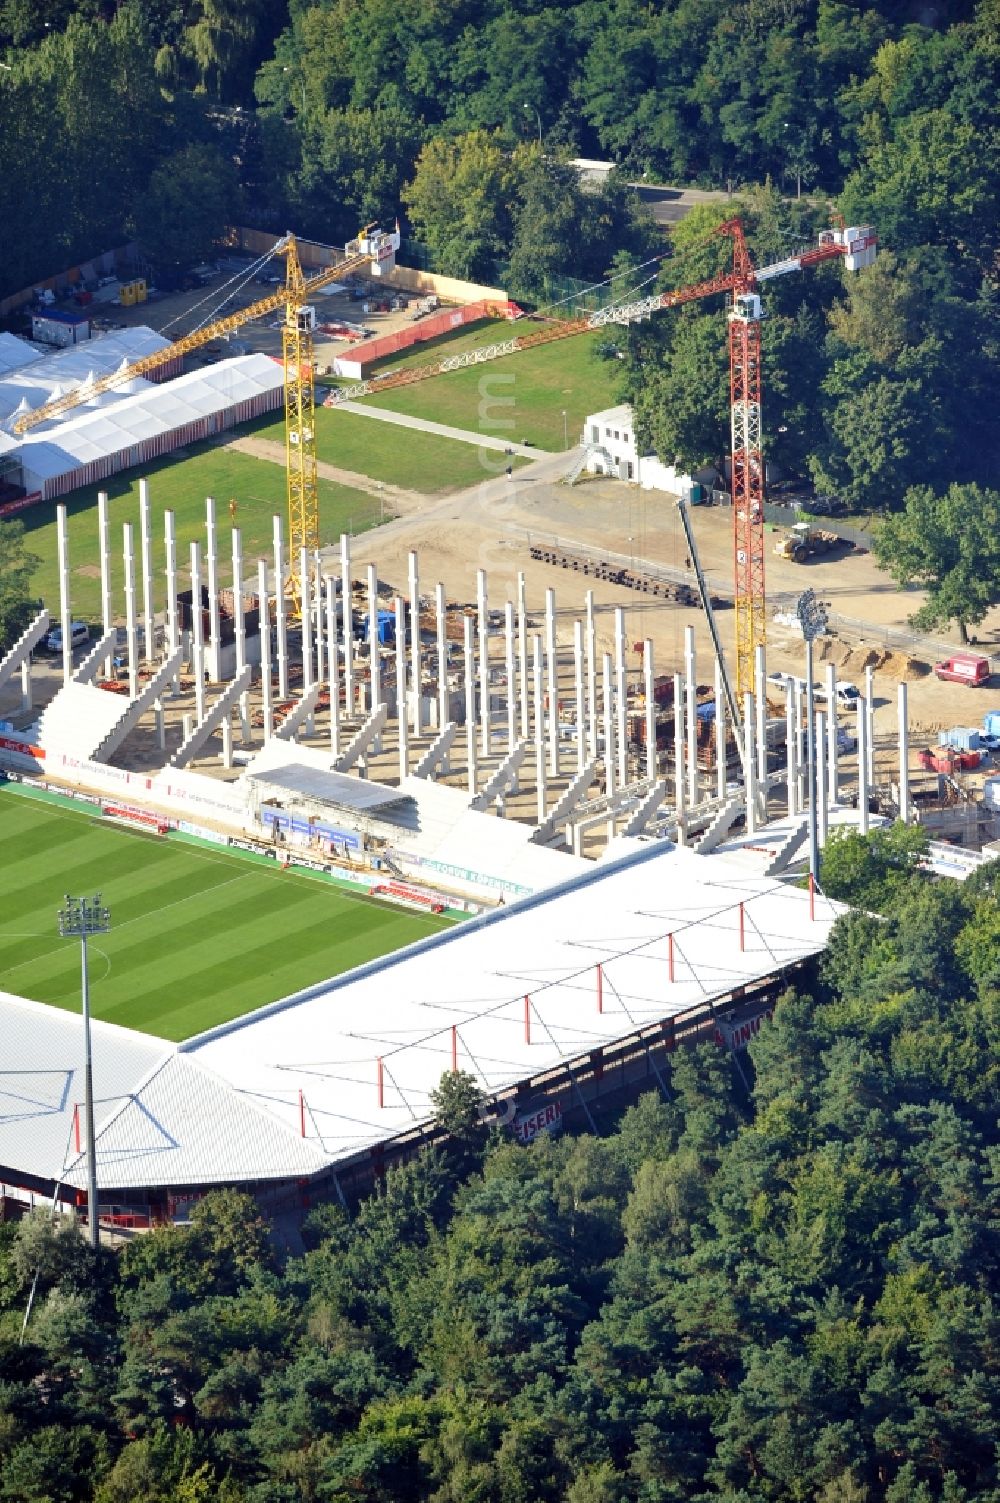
x: 373, y: 250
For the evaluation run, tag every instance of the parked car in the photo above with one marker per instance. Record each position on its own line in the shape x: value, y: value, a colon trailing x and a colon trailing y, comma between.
x: 79, y: 634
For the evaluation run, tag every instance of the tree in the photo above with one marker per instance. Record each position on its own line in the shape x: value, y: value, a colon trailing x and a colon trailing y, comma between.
x: 190, y: 200
x: 459, y: 201
x: 869, y: 871
x: 950, y: 545
x: 17, y: 565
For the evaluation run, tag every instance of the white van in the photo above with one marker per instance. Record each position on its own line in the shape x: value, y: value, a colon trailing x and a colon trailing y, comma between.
x: 79, y: 633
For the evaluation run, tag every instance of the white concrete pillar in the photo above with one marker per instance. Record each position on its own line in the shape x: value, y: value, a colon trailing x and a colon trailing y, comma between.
x: 508, y: 627
x: 904, y: 755
x: 680, y: 802
x: 609, y: 727
x: 401, y: 723
x: 482, y: 606
x: 65, y: 610
x: 197, y: 633
x: 161, y: 726
x: 862, y: 767
x: 621, y: 706
x: 441, y: 623
x: 332, y: 666
x: 749, y: 748
x: 522, y: 654
x: 649, y: 690
x: 146, y: 560
x: 306, y: 620
x: 591, y: 678
x: 319, y: 636
x: 240, y: 628
x: 470, y: 703
x: 415, y: 684
x: 760, y: 678
x: 791, y: 771
x: 264, y: 604
x: 721, y: 759
x: 691, y: 714
x: 131, y: 636
x: 27, y: 698
x: 801, y: 745
x: 870, y: 727
x: 280, y: 617
x: 832, y: 726
x: 373, y: 642
x: 552, y: 680
x: 822, y: 796
x: 104, y: 544
x: 227, y: 741
x: 170, y: 549
x: 536, y: 665
x: 212, y: 560
x: 581, y: 749
x: 345, y: 605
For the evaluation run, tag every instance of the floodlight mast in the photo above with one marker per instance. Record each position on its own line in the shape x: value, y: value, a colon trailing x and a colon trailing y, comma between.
x: 83, y: 916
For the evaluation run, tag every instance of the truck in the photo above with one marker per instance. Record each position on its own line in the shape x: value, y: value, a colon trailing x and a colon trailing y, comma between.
x: 964, y: 668
x: 804, y: 540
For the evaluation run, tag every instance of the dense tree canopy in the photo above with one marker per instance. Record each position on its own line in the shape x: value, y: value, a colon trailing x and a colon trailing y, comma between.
x: 779, y: 1288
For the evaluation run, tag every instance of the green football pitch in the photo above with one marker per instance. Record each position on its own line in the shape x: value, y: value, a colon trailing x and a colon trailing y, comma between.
x: 198, y: 935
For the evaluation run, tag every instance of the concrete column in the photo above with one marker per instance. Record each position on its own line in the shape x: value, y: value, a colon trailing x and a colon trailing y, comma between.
x: 128, y: 553
x: 441, y: 628
x: 161, y: 726
x: 591, y: 677
x: 27, y: 699
x: 609, y: 728
x: 239, y: 624
x: 317, y: 602
x: 227, y: 741
x: 620, y: 696
x: 904, y: 756
x: 791, y: 772
x: 581, y: 750
x: 146, y: 557
x: 403, y: 728
x: 306, y: 620
x: 749, y: 747
x: 720, y: 733
x: 173, y: 617
x: 418, y: 719
x: 470, y: 703
x: 832, y: 726
x: 280, y: 618
x: 508, y: 626
x: 649, y: 680
x: 552, y: 680
x: 332, y: 666
x: 65, y: 610
x: 801, y: 733
x: 197, y: 633
x: 373, y: 643
x: 760, y: 678
x: 265, y: 646
x: 345, y: 603
x: 522, y: 654
x: 691, y: 714
x: 104, y: 543
x: 680, y: 802
x: 482, y: 606
x: 214, y: 633
x: 536, y: 665
x: 822, y: 798
x: 870, y: 727
x: 862, y: 767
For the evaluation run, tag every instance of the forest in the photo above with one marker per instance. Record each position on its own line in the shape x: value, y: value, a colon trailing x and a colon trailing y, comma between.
x: 776, y: 1279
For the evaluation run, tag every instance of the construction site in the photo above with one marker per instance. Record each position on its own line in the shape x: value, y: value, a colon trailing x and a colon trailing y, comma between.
x: 504, y: 697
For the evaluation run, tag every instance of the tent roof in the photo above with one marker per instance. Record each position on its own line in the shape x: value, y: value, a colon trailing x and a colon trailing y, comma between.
x: 36, y: 381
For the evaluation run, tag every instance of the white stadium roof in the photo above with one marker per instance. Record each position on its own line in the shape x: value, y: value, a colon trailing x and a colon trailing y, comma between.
x: 225, y: 1107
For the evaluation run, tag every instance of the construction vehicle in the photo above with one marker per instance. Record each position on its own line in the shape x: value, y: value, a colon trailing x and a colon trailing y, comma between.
x: 804, y: 541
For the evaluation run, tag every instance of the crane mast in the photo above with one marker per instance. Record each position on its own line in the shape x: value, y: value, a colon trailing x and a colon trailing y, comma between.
x: 300, y: 413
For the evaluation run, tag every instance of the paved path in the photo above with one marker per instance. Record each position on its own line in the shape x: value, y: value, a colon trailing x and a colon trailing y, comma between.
x: 273, y: 451
x: 460, y: 435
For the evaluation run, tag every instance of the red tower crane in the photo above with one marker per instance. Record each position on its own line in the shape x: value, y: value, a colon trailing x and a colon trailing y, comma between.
x: 857, y: 249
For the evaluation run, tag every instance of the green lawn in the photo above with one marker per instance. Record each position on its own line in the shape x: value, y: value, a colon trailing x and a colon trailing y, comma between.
x: 181, y: 485
x: 399, y: 456
x: 198, y: 936
x: 521, y: 396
